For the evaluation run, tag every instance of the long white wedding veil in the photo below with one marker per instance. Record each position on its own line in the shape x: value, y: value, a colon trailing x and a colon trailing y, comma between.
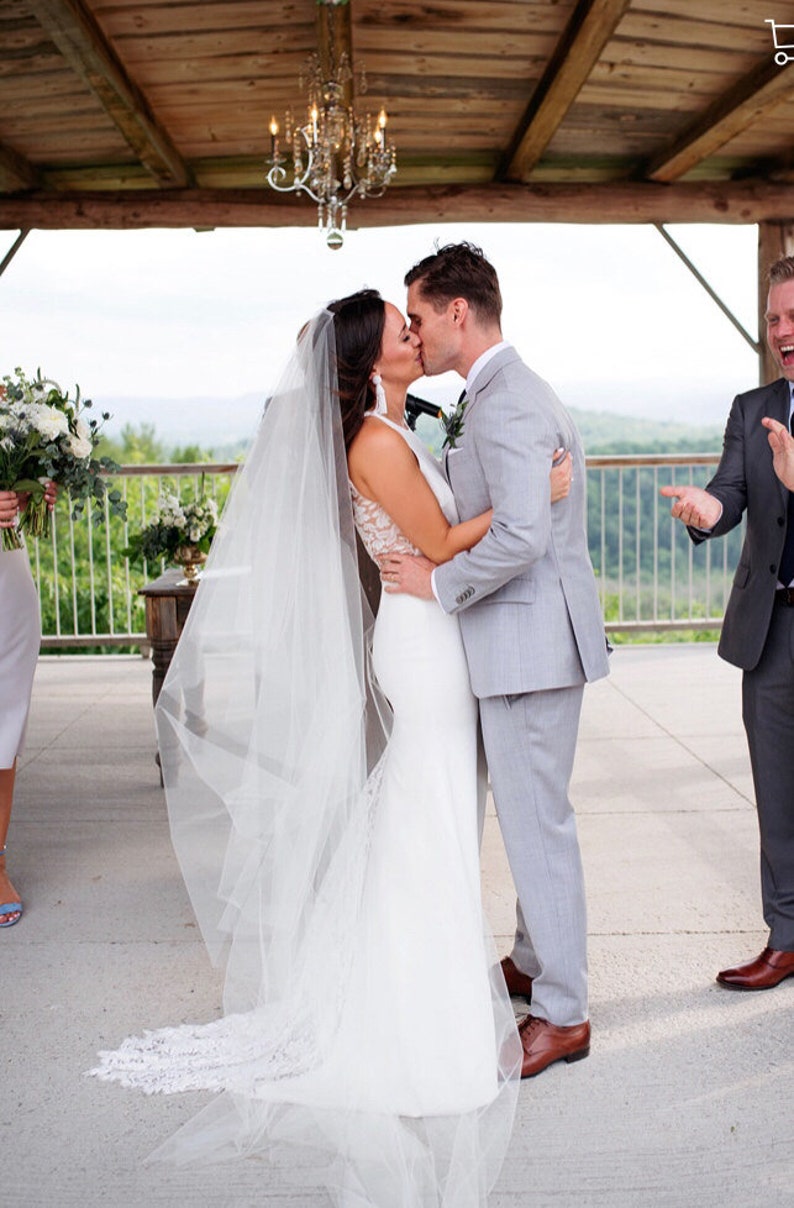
x: 271, y: 739
x: 266, y: 740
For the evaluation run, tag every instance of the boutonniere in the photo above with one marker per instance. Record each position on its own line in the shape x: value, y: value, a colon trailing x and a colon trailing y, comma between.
x: 453, y: 424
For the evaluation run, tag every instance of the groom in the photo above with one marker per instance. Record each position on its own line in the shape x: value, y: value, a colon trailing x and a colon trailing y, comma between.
x: 531, y: 624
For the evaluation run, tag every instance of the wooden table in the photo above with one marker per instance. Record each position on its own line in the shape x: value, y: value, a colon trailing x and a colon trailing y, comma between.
x: 168, y: 601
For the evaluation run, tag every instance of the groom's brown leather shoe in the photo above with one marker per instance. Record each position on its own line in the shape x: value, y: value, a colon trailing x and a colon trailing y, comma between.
x: 518, y: 984
x: 767, y: 970
x: 545, y: 1043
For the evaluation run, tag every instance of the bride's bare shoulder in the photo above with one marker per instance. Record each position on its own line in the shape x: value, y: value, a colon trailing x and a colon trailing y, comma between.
x: 375, y: 440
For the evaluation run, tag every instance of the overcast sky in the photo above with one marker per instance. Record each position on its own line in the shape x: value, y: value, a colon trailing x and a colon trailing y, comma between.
x: 608, y: 315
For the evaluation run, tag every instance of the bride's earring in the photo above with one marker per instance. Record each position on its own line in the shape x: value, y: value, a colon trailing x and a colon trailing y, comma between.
x: 380, y: 407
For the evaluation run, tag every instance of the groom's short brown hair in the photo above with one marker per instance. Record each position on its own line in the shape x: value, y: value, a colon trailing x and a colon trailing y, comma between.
x: 459, y: 270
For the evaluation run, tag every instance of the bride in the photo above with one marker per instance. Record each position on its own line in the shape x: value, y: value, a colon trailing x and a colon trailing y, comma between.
x: 331, y: 854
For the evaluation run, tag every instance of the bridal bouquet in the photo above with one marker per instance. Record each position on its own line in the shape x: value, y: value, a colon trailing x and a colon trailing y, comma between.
x: 44, y: 434
x: 174, y: 526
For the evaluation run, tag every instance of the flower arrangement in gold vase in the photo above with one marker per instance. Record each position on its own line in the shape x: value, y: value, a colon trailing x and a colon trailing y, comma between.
x: 179, y: 532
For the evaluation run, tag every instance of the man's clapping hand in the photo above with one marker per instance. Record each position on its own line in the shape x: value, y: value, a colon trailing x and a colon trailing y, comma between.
x: 694, y: 506
x: 781, y: 442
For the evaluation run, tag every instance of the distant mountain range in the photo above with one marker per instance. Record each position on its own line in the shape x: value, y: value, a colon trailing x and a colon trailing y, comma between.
x: 222, y: 424
x: 180, y: 421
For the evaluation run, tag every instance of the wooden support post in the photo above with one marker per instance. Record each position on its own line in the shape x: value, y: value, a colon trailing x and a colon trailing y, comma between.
x: 775, y: 239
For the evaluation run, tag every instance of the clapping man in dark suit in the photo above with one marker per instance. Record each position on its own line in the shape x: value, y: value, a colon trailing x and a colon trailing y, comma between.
x: 754, y: 475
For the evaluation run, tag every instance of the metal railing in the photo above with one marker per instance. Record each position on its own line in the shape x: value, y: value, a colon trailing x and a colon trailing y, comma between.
x: 88, y: 590
x: 651, y: 577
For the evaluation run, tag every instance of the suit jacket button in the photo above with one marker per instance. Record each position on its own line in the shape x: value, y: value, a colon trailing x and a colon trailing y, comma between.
x: 773, y: 569
x: 781, y: 521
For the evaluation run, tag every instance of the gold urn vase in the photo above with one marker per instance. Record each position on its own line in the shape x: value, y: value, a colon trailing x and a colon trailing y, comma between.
x: 191, y: 559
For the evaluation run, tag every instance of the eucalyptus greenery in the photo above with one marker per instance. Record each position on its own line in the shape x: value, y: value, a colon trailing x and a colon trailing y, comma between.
x: 45, y: 434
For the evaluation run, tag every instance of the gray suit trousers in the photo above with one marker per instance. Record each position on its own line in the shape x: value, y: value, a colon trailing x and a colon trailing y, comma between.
x: 530, y: 742
x: 768, y: 711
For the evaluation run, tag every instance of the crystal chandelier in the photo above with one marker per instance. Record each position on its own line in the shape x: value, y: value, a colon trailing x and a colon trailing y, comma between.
x: 334, y: 155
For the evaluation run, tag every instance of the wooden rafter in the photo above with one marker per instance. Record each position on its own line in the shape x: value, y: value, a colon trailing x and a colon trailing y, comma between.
x: 16, y: 172
x: 624, y: 202
x: 749, y: 100
x: 592, y: 24
x: 80, y: 40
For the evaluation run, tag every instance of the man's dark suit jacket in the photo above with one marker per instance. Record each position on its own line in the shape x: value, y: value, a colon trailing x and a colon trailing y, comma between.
x: 745, y: 480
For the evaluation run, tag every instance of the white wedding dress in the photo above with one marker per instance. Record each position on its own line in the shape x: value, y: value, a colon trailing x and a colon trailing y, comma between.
x: 374, y: 1026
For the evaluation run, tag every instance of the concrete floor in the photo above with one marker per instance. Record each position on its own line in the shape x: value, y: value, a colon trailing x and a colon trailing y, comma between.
x: 686, y: 1098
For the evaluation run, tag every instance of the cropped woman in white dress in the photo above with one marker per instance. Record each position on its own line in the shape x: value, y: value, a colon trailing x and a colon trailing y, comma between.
x: 20, y: 637
x: 334, y: 869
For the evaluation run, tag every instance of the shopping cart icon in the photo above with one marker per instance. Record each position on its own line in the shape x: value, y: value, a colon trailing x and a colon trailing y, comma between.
x: 779, y: 32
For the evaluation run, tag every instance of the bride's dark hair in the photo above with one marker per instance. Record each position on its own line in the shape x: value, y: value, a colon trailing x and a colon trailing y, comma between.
x: 358, y: 331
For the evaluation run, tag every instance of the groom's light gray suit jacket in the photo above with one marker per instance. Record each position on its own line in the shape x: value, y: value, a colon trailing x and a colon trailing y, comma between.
x: 526, y: 594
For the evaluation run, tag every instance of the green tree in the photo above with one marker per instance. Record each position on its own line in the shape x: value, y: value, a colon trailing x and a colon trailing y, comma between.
x: 137, y: 446
x: 190, y: 455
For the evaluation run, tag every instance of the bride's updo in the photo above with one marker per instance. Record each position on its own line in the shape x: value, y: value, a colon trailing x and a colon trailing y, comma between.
x: 358, y: 330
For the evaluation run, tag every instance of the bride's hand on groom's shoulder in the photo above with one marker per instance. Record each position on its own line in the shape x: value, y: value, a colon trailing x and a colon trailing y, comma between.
x: 407, y: 573
x: 561, y: 475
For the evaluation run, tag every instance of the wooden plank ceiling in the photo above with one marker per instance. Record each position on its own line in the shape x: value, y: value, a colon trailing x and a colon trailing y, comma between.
x: 156, y: 113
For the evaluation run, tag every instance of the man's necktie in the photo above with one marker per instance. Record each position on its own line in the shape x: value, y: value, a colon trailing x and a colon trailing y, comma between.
x: 786, y: 571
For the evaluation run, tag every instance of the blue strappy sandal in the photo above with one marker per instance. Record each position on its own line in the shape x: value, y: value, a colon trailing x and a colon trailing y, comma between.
x: 9, y: 907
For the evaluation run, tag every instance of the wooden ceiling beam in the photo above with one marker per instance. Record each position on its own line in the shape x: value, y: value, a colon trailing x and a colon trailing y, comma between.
x: 592, y: 24
x: 75, y: 33
x: 624, y: 202
x: 16, y: 172
x: 749, y: 100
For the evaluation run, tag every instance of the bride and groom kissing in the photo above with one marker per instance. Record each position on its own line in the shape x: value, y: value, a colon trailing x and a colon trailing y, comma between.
x: 324, y: 806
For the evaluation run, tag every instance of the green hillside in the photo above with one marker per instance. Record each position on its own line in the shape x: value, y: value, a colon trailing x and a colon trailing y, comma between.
x: 605, y: 432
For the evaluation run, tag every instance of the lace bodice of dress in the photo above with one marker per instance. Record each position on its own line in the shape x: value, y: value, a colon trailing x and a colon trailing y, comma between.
x: 376, y: 528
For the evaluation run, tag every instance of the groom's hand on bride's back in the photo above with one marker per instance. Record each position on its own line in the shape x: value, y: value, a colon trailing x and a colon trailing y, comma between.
x: 408, y: 574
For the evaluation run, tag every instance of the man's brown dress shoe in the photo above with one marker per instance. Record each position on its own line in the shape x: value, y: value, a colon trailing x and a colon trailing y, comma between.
x: 767, y: 970
x: 544, y: 1043
x: 517, y: 983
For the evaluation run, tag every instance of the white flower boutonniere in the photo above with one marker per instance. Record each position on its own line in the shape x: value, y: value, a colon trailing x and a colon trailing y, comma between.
x: 453, y: 424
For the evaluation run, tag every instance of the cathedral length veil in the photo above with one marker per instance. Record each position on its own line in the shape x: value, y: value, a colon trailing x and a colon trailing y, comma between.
x: 271, y: 736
